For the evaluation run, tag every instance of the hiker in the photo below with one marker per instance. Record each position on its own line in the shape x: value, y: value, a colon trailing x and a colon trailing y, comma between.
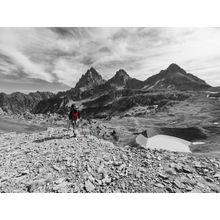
x: 74, y: 117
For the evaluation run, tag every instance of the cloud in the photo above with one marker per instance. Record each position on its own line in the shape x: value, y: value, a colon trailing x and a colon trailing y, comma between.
x: 67, y: 72
x: 32, y: 69
x: 62, y: 55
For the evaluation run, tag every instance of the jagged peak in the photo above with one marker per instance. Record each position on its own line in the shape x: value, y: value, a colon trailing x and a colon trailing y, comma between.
x: 173, y: 67
x: 120, y: 78
x: 92, y: 71
x: 121, y: 73
x: 90, y: 78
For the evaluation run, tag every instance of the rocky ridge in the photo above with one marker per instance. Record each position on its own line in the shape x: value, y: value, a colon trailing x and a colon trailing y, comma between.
x: 174, y: 77
x: 19, y: 102
x: 54, y: 161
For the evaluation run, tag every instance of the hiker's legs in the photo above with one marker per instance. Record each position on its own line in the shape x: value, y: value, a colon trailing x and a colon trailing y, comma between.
x: 74, y: 127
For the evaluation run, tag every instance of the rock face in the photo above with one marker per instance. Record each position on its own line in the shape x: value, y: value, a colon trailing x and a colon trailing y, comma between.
x: 123, y: 80
x: 55, y: 161
x: 119, y: 79
x: 91, y: 79
x: 174, y: 77
x: 19, y: 102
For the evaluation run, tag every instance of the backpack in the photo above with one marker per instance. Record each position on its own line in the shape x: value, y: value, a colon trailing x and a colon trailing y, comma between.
x: 75, y: 115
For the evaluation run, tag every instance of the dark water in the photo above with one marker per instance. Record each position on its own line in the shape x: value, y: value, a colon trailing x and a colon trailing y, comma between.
x: 189, y: 134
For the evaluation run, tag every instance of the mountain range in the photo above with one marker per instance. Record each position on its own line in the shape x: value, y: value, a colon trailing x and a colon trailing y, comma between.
x: 93, y: 91
x: 174, y: 77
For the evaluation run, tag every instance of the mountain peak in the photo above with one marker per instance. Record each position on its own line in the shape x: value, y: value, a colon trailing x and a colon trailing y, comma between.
x: 92, y: 72
x: 89, y: 79
x: 120, y: 78
x: 173, y: 68
x: 174, y: 77
x: 122, y: 73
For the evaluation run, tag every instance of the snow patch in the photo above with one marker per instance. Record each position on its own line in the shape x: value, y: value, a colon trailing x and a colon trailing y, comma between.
x: 210, y: 92
x: 197, y: 143
x: 154, y: 84
x: 163, y: 142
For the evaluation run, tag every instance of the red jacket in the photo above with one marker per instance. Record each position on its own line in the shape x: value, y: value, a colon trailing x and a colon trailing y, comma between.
x: 74, y: 115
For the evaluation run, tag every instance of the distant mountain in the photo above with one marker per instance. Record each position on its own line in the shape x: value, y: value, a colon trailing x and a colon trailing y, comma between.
x: 90, y: 79
x: 19, y: 102
x: 174, y: 77
x: 119, y: 79
x: 123, y: 80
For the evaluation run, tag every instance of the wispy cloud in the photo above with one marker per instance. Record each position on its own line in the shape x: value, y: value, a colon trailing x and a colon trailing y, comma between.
x: 60, y: 55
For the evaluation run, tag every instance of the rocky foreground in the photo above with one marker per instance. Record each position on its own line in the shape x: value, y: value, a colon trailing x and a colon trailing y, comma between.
x: 55, y: 161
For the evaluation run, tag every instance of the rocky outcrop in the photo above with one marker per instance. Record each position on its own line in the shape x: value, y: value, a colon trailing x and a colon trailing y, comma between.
x: 54, y: 161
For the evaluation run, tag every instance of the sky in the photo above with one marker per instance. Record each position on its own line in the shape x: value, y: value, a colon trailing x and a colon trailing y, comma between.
x: 53, y: 59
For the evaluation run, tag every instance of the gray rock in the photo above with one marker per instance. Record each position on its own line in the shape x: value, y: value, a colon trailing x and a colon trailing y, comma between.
x: 107, y: 180
x: 217, y: 176
x: 159, y: 158
x: 159, y: 185
x: 170, y: 171
x: 208, y: 179
x: 56, y: 168
x: 197, y: 164
x: 123, y: 185
x: 214, y: 187
x: 178, y: 168
x: 76, y: 188
x: 189, y: 188
x: 201, y: 185
x: 195, y: 191
x: 187, y: 169
x: 89, y: 186
x: 117, y: 163
x: 124, y: 157
x: 178, y: 184
x: 117, y: 191
x: 163, y: 176
x: 61, y: 186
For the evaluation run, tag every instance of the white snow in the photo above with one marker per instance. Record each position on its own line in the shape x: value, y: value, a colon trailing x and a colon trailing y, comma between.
x: 154, y: 84
x: 164, y: 142
x: 211, y: 92
x: 197, y: 143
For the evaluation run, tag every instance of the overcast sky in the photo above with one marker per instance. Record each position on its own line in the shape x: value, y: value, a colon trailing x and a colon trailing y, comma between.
x: 53, y: 59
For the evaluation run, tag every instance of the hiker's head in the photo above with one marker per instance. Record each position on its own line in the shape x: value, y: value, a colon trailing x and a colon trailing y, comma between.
x: 73, y: 107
